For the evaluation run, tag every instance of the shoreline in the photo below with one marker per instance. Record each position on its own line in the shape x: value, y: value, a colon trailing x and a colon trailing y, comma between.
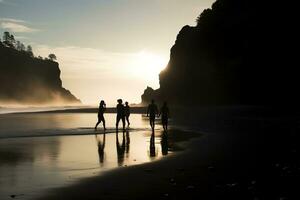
x: 134, y: 110
x: 61, y: 151
x: 248, y: 159
x: 98, y: 132
x: 238, y: 156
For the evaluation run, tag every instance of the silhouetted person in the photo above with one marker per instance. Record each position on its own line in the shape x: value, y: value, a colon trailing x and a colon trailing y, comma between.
x: 152, y: 144
x: 127, y: 112
x: 164, y: 143
x: 101, y: 146
x: 101, y: 110
x: 120, y: 114
x: 120, y: 148
x: 164, y: 113
x: 152, y: 111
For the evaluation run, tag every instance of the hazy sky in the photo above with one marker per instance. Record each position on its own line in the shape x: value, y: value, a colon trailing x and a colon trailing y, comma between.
x: 107, y: 49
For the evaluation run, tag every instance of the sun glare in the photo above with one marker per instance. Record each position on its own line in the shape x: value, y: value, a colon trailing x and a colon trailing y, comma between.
x: 148, y: 65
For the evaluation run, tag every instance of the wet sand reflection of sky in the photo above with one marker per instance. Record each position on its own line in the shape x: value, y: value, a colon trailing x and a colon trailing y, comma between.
x: 33, y: 164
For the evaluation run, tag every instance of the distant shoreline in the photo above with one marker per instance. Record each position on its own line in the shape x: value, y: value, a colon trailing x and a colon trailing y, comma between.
x: 133, y: 110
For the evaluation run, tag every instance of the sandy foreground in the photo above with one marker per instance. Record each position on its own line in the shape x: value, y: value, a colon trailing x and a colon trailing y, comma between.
x: 250, y: 158
x: 163, y: 178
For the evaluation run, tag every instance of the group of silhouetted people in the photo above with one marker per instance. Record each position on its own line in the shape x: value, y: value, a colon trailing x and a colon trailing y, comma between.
x: 152, y: 112
x: 123, y: 113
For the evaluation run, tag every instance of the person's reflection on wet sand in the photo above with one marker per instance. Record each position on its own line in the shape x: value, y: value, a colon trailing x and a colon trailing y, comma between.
x: 164, y: 143
x: 152, y: 144
x: 101, y: 146
x: 120, y: 148
x: 127, y: 142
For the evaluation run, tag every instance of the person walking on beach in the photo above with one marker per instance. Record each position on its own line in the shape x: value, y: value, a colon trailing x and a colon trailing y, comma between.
x: 152, y: 111
x: 127, y: 113
x: 101, y: 110
x: 164, y: 113
x: 120, y: 114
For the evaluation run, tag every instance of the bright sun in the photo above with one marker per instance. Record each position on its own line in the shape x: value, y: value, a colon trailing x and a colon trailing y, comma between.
x: 148, y: 65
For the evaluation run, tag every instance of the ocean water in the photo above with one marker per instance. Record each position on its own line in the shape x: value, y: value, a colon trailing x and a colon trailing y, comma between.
x: 42, y: 151
x: 19, y: 109
x: 50, y: 124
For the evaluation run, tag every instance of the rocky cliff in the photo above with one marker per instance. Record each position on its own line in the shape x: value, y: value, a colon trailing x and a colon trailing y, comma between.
x: 239, y: 53
x: 27, y: 80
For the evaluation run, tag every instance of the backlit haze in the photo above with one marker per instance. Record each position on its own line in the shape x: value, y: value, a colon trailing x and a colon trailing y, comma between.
x: 107, y: 49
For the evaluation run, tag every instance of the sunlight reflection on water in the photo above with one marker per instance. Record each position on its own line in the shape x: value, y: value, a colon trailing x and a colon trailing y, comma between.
x: 30, y: 165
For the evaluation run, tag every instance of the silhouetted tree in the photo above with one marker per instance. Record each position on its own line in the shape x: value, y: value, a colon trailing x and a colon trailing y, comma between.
x: 29, y: 50
x: 23, y: 48
x: 20, y: 46
x: 13, y: 41
x: 52, y: 57
x: 8, y: 39
x: 6, y: 36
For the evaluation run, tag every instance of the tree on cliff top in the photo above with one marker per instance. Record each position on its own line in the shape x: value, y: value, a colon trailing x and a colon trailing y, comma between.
x: 8, y: 39
x: 29, y: 51
x: 52, y: 57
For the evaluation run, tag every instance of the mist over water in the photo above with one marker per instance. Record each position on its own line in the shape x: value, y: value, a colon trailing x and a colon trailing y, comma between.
x: 17, y: 108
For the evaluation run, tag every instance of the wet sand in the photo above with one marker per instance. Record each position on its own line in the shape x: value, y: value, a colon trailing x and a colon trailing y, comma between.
x: 241, y: 157
x: 147, y: 181
x: 247, y: 158
x: 45, y: 151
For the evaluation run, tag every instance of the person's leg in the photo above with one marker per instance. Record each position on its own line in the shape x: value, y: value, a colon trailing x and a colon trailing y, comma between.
x: 99, y: 121
x: 117, y: 123
x: 123, y: 122
x: 127, y: 119
x: 153, y: 122
x: 152, y: 119
x: 104, y: 123
x: 167, y: 121
x: 97, y: 124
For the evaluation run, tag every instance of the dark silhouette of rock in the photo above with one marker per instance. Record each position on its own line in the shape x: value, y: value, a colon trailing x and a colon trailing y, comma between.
x: 147, y: 95
x: 28, y: 80
x: 237, y: 54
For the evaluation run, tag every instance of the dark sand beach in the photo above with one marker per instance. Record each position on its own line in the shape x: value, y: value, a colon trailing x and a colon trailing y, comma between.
x: 244, y: 154
x: 42, y: 152
x: 251, y: 154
